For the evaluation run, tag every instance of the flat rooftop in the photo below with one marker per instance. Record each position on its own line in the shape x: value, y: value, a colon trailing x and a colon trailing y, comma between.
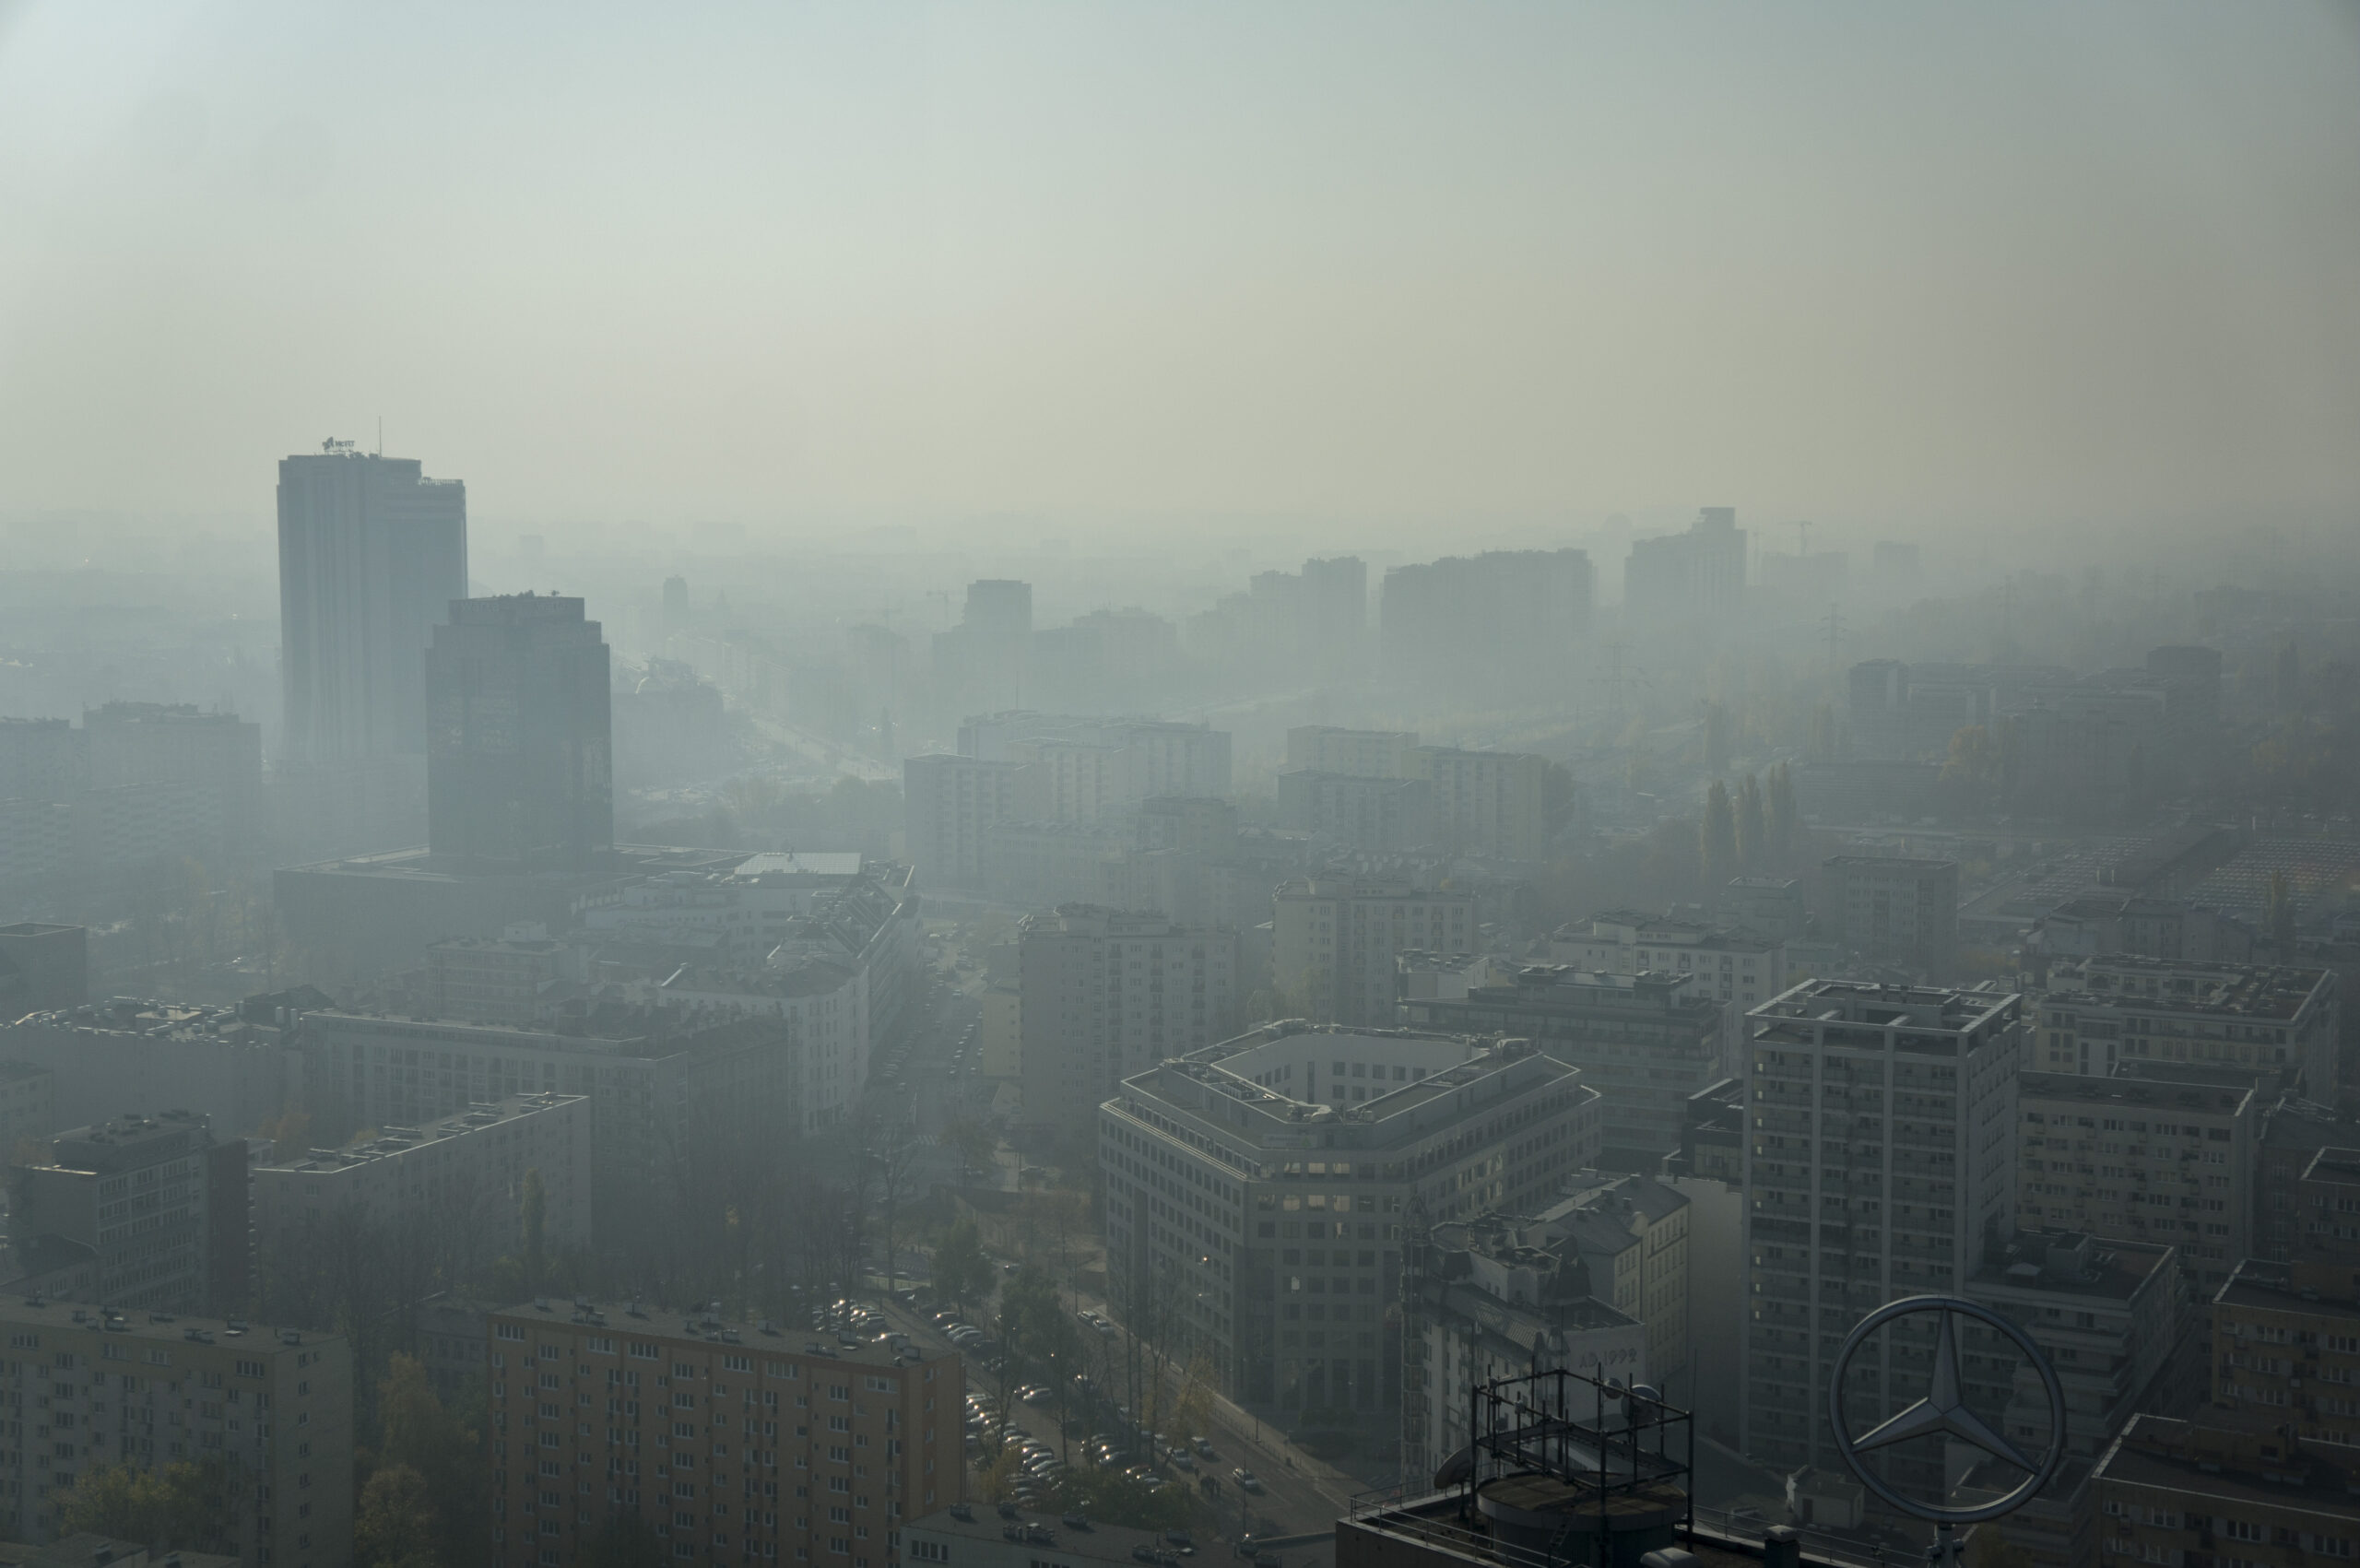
x: 2136, y: 1093
x: 392, y: 1142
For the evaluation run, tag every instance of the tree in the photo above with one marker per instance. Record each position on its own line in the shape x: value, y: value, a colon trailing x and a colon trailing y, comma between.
x: 1718, y: 845
x: 1781, y: 806
x: 1750, y: 824
x: 1971, y: 770
x: 973, y: 1141
x: 176, y: 1508
x: 419, y: 1435
x: 962, y: 1272
x: 396, y: 1525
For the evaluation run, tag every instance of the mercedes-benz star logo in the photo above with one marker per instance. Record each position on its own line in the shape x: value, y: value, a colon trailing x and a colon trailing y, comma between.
x: 1943, y: 1412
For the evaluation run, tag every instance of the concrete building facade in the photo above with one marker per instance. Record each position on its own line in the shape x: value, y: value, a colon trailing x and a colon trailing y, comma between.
x: 1334, y: 940
x: 732, y: 1444
x: 1104, y: 994
x: 1880, y: 1163
x: 1270, y: 1221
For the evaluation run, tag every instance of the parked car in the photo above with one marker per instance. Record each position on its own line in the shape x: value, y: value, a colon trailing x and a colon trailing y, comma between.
x: 1204, y: 1449
x: 1247, y: 1480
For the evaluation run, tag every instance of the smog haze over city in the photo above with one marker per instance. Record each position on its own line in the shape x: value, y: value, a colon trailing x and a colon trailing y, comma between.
x: 1336, y: 768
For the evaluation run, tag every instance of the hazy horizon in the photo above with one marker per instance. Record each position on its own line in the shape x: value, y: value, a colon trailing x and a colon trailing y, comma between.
x: 1376, y: 272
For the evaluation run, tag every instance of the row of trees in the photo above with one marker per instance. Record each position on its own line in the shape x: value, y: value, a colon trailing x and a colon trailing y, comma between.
x: 1749, y: 832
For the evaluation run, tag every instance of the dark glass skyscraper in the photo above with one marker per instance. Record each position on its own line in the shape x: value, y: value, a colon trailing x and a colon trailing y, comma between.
x: 370, y: 553
x: 519, y: 767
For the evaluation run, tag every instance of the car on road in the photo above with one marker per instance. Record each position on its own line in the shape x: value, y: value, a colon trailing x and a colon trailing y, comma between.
x: 1247, y: 1480
x: 1183, y: 1460
x: 1204, y: 1449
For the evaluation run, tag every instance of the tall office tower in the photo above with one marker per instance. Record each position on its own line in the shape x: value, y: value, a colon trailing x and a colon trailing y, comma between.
x: 1688, y: 576
x: 1334, y: 939
x: 1105, y: 995
x: 519, y: 767
x: 676, y: 605
x: 371, y: 555
x: 1881, y: 1162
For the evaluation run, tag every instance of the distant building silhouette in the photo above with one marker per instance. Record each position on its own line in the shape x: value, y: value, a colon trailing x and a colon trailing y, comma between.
x: 370, y: 553
x: 1699, y: 573
x: 519, y: 767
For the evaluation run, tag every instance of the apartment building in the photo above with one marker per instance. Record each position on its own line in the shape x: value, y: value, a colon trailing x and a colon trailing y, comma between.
x: 138, y: 1212
x: 1270, y: 1217
x: 1881, y: 1163
x: 2098, y: 1013
x: 1642, y: 1041
x: 273, y: 1407
x: 1893, y: 909
x: 1487, y: 803
x: 1104, y: 995
x: 1334, y: 940
x: 1739, y: 970
x: 2176, y: 1490
x: 1631, y: 1233
x: 2286, y: 1351
x: 1357, y: 753
x: 947, y: 803
x: 463, y: 1174
x: 665, y: 1091
x: 515, y: 977
x: 1375, y: 816
x: 733, y: 1444
x: 2142, y: 1160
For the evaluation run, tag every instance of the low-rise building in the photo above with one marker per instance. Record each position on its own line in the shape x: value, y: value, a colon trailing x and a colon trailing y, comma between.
x: 463, y: 1176
x: 2108, y: 1313
x: 2286, y: 1351
x: 1632, y: 1233
x: 1739, y: 970
x: 274, y: 1406
x: 2099, y: 1013
x: 512, y: 978
x: 1489, y: 1298
x: 2170, y: 1490
x: 734, y: 1444
x: 1271, y: 1213
x: 2142, y: 1160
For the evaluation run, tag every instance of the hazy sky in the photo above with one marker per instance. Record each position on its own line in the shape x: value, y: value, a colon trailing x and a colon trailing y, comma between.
x: 783, y: 263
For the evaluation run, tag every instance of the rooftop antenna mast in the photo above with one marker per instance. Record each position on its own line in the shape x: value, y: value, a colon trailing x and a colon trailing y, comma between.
x: 1802, y: 529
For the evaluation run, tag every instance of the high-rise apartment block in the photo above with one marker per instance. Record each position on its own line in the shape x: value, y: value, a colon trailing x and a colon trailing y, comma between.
x: 139, y: 1211
x: 1881, y: 1163
x: 733, y: 1446
x: 1486, y: 802
x: 1106, y: 994
x: 1895, y: 909
x: 520, y: 768
x: 146, y: 1391
x: 2142, y: 1160
x: 1688, y: 576
x: 949, y: 803
x: 1646, y: 1042
x: 371, y: 555
x: 1334, y: 940
x: 2101, y: 1013
x: 1359, y: 753
x: 1270, y: 1220
x: 1512, y: 619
